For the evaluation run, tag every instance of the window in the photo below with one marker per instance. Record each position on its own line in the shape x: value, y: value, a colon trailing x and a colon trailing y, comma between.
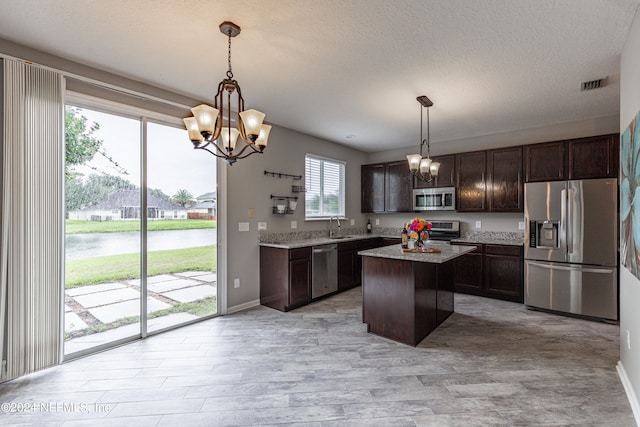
x: 324, y: 182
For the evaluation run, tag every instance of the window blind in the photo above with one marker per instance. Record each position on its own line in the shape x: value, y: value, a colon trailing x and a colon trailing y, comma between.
x: 324, y: 183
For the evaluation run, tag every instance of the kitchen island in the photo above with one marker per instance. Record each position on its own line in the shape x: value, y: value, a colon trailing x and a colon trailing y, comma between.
x: 405, y: 296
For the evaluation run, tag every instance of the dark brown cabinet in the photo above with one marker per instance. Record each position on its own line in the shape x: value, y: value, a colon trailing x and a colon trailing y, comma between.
x: 503, y: 277
x: 398, y: 187
x: 373, y: 183
x: 581, y: 158
x: 505, y: 192
x: 285, y: 277
x: 545, y: 162
x: 386, y: 187
x: 595, y: 157
x: 446, y: 174
x: 347, y: 277
x: 471, y: 171
x: 494, y: 271
x: 467, y: 276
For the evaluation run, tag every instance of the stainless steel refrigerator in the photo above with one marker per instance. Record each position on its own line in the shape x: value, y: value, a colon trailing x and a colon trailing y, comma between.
x: 571, y: 247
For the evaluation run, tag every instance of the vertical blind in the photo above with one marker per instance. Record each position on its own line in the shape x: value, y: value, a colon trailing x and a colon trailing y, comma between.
x: 32, y: 219
x: 324, y: 183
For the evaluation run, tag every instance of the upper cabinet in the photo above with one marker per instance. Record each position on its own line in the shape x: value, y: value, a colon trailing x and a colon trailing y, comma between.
x: 446, y: 174
x: 471, y: 177
x: 505, y: 192
x: 372, y: 188
x: 398, y: 188
x: 595, y: 157
x: 582, y: 158
x: 386, y: 187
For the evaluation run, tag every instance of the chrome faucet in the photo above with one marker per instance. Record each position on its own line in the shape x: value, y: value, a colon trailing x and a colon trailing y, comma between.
x: 331, y: 232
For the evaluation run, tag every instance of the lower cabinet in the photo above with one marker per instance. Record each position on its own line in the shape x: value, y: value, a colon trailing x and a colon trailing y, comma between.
x: 494, y: 271
x: 285, y: 277
x: 285, y: 274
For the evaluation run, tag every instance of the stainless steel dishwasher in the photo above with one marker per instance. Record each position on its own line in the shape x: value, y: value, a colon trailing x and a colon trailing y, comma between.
x: 324, y: 270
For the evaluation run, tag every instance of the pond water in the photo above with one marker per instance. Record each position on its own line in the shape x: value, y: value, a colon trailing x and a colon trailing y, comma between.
x: 79, y: 246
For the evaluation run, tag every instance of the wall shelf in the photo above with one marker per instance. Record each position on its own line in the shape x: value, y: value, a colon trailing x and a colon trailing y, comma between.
x: 284, y: 204
x: 283, y: 175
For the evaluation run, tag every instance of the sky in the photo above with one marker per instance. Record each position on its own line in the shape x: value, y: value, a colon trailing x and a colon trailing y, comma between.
x: 172, y: 163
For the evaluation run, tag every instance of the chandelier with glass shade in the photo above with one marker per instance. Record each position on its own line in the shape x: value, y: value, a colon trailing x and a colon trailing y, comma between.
x: 207, y: 130
x: 423, y: 168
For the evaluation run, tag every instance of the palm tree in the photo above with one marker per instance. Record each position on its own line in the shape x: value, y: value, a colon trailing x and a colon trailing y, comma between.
x: 183, y: 198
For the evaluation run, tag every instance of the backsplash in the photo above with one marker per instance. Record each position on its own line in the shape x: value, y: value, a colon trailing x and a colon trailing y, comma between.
x: 264, y: 237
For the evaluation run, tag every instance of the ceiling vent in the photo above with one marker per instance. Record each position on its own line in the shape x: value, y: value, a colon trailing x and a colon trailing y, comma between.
x: 593, y: 84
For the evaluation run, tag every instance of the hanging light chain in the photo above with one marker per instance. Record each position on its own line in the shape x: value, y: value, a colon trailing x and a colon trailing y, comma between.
x: 229, y: 72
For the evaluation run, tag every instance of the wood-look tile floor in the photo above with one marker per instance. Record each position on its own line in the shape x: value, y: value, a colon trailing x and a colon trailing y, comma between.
x: 490, y: 363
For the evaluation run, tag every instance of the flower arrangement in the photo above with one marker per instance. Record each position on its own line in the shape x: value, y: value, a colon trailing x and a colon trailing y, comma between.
x: 418, y: 230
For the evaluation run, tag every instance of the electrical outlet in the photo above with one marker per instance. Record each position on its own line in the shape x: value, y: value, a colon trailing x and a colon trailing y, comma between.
x: 294, y: 224
x: 377, y: 221
x: 236, y: 283
x: 628, y: 340
x: 478, y: 224
x: 521, y: 225
x: 352, y: 222
x: 262, y: 226
x: 243, y: 226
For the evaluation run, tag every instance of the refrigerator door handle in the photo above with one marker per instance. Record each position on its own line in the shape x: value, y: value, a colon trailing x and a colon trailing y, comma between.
x: 563, y: 221
x: 603, y: 270
x: 570, y: 202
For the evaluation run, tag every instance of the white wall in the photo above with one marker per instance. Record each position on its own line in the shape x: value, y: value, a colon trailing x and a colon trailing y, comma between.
x: 629, y: 285
x: 249, y: 188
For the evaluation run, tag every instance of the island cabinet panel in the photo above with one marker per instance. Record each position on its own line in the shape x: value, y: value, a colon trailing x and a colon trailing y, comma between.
x: 471, y: 178
x: 545, y: 162
x: 373, y: 187
x: 505, y: 192
x: 402, y: 300
x: 446, y: 174
x: 595, y: 157
x: 285, y: 277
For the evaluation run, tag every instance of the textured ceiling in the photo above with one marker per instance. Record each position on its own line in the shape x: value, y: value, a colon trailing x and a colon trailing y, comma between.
x: 354, y: 67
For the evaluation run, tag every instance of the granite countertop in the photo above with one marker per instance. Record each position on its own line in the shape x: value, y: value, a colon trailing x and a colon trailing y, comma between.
x: 293, y: 244
x: 448, y: 253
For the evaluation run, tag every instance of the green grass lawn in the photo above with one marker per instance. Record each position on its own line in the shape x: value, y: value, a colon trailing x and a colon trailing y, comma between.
x: 73, y: 226
x: 103, y: 269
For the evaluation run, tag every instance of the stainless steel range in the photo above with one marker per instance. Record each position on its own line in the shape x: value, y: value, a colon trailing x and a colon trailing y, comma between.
x: 444, y: 230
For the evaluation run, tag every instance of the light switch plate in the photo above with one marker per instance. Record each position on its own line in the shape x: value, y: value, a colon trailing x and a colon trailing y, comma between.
x: 521, y: 225
x: 294, y: 224
x: 478, y: 224
x: 353, y: 222
x: 262, y: 226
x: 243, y: 226
x: 377, y: 221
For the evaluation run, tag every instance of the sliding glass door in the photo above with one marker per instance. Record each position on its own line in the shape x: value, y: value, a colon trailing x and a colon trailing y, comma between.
x: 181, y: 229
x: 102, y: 229
x: 140, y: 235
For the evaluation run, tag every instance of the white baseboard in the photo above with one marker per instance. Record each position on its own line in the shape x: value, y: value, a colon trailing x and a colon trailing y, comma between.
x: 243, y: 306
x: 628, y: 388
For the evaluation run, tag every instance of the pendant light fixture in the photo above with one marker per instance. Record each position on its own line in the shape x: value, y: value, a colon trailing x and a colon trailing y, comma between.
x: 423, y: 168
x: 206, y: 128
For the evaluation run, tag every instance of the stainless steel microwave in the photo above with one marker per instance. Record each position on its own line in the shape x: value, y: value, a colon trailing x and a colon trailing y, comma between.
x: 434, y: 199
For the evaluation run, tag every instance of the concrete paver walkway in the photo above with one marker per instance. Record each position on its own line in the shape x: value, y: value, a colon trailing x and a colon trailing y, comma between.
x: 109, y: 302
